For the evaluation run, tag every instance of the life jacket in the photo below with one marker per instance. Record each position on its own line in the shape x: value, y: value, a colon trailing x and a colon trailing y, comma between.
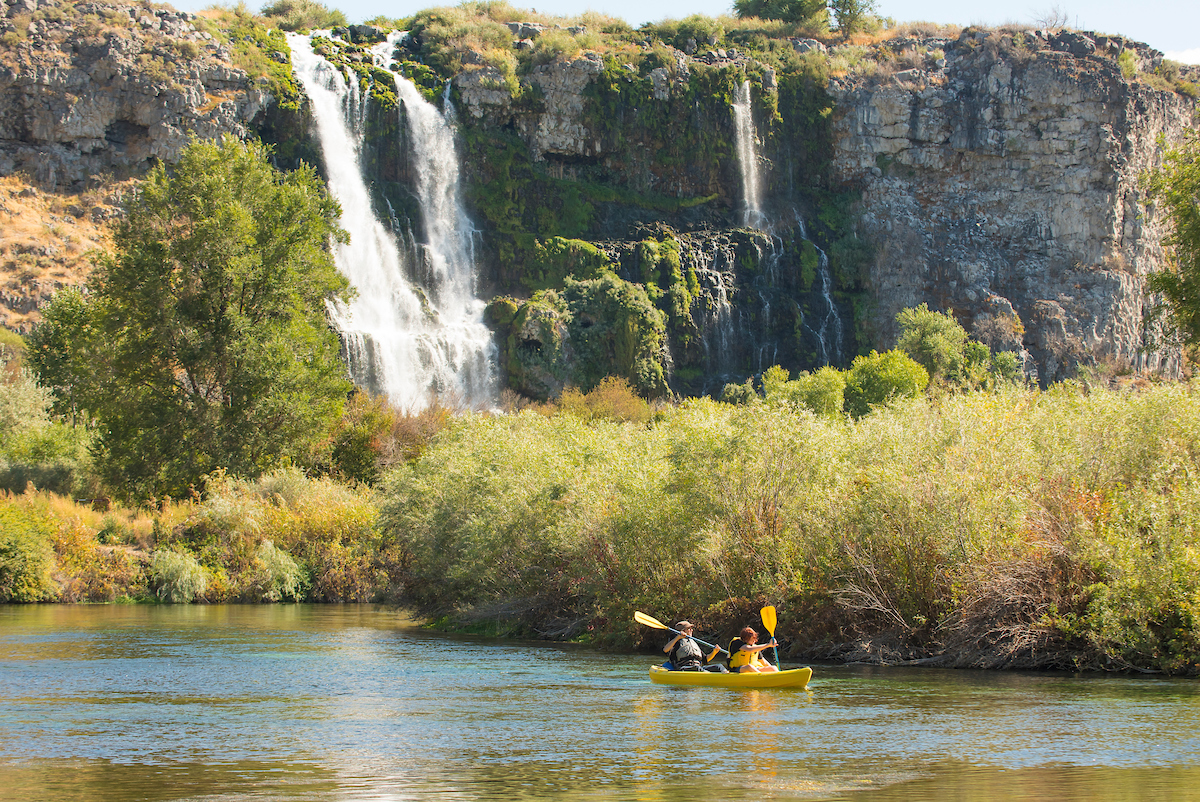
x: 735, y: 648
x: 738, y: 658
x: 686, y: 653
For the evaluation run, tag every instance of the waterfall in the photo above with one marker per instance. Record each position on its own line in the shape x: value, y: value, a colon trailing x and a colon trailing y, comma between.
x: 747, y: 151
x: 415, y: 328
x: 828, y: 329
x: 828, y: 332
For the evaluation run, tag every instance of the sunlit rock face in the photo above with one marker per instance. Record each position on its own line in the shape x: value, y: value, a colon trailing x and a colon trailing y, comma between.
x: 1001, y: 174
x: 103, y: 89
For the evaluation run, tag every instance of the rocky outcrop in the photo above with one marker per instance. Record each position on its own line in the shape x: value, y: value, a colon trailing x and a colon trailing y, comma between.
x: 1001, y: 171
x: 106, y: 88
x: 558, y: 127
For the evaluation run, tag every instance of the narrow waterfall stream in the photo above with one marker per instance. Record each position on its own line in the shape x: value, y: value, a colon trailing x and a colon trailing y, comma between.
x: 828, y: 330
x: 415, y: 329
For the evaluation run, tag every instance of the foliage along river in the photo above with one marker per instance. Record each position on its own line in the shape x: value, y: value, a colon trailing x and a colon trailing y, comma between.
x: 345, y: 702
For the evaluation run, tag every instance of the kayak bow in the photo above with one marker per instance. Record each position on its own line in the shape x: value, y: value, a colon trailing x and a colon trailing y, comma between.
x: 792, y: 678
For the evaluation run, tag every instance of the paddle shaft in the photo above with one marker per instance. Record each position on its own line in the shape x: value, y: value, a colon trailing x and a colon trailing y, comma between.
x: 650, y: 621
x: 702, y: 643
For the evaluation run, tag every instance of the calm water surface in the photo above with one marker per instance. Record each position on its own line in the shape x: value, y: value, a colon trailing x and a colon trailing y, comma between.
x: 350, y: 703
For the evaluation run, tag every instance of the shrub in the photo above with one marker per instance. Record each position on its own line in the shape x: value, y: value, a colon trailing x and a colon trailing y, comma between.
x: 876, y: 379
x: 822, y: 391
x: 90, y: 570
x: 25, y: 556
x: 278, y: 575
x: 701, y: 30
x: 177, y: 577
x: 553, y: 45
x: 934, y: 340
x: 739, y: 393
x: 303, y: 15
x: 1127, y: 61
x: 612, y: 399
x: 796, y: 11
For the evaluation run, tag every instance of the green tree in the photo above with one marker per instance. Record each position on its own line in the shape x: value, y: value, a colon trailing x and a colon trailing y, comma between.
x: 876, y: 379
x: 203, y: 341
x: 775, y: 383
x: 851, y: 14
x: 935, y: 340
x: 938, y: 343
x: 1176, y: 188
x: 786, y: 10
x: 823, y: 391
x: 303, y: 15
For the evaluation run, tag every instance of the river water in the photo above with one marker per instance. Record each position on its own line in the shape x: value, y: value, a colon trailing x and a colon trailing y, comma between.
x: 354, y: 703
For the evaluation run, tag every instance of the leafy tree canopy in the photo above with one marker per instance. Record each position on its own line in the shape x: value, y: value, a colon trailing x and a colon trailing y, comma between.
x: 786, y: 10
x: 876, y: 379
x: 851, y: 14
x: 203, y: 342
x: 1176, y: 187
x: 935, y: 340
x: 940, y: 344
x: 303, y: 15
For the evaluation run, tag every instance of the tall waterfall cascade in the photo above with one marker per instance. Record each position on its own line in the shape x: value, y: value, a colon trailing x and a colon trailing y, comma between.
x: 747, y: 152
x: 828, y: 328
x: 414, y: 331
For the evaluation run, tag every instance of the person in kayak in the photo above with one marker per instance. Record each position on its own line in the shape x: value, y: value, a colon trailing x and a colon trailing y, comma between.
x: 683, y: 653
x: 747, y: 657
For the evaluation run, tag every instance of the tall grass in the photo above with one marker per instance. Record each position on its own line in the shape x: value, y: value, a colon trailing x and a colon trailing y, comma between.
x: 1013, y: 528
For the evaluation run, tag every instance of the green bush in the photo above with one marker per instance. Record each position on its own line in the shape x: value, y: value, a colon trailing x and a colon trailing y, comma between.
x: 177, y: 577
x: 26, y: 559
x: 1008, y: 528
x: 822, y: 391
x: 303, y: 15
x: 877, y: 379
x: 1127, y: 61
x: 279, y: 576
x: 934, y: 340
x: 739, y: 393
x: 701, y: 30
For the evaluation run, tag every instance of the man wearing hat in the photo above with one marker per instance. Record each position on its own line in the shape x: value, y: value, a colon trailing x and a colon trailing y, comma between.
x: 683, y: 653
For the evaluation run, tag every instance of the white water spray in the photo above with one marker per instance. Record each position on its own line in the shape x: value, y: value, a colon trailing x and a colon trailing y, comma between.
x: 415, y: 329
x: 747, y: 151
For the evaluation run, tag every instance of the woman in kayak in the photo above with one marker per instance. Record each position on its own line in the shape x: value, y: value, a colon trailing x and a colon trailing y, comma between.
x: 748, y: 657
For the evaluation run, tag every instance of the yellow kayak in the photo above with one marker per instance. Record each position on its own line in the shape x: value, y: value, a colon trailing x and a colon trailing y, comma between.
x: 792, y: 678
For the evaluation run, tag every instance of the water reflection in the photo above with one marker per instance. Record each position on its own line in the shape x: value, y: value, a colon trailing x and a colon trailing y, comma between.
x: 324, y: 703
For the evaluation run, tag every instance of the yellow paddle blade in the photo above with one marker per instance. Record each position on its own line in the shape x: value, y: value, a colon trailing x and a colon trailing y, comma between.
x: 642, y: 618
x: 768, y: 619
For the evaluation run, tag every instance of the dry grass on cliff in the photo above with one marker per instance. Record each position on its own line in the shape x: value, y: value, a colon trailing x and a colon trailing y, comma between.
x: 46, y: 242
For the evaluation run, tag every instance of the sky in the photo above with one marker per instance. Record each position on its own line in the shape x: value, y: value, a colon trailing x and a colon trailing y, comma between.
x: 1172, y: 26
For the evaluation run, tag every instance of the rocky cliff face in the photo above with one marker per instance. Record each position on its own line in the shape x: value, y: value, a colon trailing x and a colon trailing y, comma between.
x: 994, y: 174
x: 96, y: 88
x: 997, y: 176
x: 999, y: 172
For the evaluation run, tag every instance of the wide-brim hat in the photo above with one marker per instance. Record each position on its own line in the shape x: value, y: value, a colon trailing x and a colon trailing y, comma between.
x: 685, y: 625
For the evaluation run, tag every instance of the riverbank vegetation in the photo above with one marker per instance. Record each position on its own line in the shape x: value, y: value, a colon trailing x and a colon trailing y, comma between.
x: 1003, y: 528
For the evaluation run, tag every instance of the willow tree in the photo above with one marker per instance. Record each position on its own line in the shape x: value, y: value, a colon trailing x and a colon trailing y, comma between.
x: 203, y: 341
